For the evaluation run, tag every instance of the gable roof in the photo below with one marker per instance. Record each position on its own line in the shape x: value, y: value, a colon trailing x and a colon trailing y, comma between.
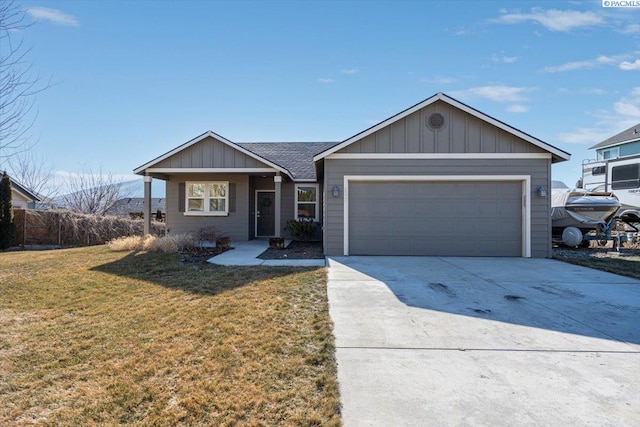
x: 558, y: 155
x: 295, y: 157
x: 627, y: 135
x: 23, y: 191
x: 140, y: 170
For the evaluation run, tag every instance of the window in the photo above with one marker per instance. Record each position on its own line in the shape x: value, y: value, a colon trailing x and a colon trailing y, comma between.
x: 627, y: 176
x: 307, y: 201
x: 207, y: 198
x: 611, y: 153
x: 599, y: 170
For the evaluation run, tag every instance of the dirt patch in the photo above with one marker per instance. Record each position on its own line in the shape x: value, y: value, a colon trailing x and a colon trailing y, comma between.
x: 295, y: 250
x: 594, y: 252
x: 626, y: 262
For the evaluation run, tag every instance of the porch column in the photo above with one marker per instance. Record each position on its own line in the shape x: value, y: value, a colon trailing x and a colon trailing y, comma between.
x: 146, y: 210
x: 277, y: 180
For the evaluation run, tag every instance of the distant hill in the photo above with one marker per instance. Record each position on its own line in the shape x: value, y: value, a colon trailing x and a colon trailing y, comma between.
x: 135, y: 188
x: 128, y: 189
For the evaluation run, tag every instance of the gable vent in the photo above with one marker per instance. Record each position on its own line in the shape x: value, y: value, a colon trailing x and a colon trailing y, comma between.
x: 435, y: 121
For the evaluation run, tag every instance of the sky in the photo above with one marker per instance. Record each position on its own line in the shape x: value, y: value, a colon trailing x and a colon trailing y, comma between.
x: 135, y: 79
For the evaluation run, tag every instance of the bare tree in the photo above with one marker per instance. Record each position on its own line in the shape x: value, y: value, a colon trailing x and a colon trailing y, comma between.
x: 34, y: 173
x: 91, y: 192
x: 18, y: 84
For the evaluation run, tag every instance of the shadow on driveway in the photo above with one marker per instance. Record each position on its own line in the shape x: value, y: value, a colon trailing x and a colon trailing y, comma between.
x: 537, y: 293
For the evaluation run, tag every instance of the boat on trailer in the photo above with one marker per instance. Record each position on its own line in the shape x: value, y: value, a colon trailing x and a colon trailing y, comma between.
x: 616, y: 169
x: 577, y: 212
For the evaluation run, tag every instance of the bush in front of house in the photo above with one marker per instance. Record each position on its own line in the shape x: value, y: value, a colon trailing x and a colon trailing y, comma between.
x: 301, y: 229
x: 167, y: 244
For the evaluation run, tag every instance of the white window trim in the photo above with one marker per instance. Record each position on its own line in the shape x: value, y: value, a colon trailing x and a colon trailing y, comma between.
x: 317, y: 202
x: 207, y: 199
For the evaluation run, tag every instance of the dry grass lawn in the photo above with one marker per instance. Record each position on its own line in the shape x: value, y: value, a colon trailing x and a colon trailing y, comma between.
x: 94, y: 337
x: 627, y: 266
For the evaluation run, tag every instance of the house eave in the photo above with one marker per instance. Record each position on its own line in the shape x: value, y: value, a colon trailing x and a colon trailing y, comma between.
x: 557, y: 154
x: 614, y: 144
x: 141, y: 170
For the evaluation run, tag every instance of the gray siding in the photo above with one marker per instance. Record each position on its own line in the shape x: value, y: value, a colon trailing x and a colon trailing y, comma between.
x: 235, y: 225
x: 462, y: 133
x: 210, y: 153
x: 538, y: 169
x: 240, y: 225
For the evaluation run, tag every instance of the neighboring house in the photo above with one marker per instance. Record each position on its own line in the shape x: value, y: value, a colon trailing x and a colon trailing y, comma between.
x: 624, y: 144
x: 22, y: 198
x: 617, y: 170
x: 135, y: 205
x: 439, y: 178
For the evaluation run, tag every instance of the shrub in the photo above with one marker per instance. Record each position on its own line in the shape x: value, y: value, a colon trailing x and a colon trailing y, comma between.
x: 171, y: 244
x: 7, y: 225
x: 149, y: 243
x: 303, y: 229
x: 130, y: 243
x: 210, y: 233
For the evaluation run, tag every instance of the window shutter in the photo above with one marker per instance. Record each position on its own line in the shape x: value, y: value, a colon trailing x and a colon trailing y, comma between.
x: 232, y: 197
x: 181, y: 197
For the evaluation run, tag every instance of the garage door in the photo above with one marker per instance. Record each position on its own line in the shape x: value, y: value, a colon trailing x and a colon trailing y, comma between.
x: 435, y: 218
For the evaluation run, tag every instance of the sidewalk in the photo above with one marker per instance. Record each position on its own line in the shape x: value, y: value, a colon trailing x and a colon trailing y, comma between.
x: 246, y: 253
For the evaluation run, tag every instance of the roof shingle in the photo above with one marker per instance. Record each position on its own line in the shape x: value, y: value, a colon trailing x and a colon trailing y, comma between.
x: 626, y: 135
x: 296, y: 157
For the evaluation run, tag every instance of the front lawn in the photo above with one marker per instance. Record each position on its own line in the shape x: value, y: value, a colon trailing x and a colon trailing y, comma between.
x: 629, y: 266
x: 93, y: 337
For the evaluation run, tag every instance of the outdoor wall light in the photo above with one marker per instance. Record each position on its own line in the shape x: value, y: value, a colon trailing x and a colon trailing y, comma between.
x: 542, y: 192
x: 336, y: 191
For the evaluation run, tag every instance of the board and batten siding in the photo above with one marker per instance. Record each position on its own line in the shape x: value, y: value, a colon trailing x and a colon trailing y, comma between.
x: 210, y: 153
x: 234, y: 225
x: 538, y: 169
x: 461, y: 133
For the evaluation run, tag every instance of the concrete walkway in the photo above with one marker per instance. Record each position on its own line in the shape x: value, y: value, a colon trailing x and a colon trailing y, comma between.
x: 484, y: 342
x: 246, y: 253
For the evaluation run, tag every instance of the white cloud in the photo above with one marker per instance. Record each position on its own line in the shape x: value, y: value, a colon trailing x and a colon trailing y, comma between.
x: 56, y: 16
x: 583, y: 65
x: 349, y: 71
x: 631, y: 29
x: 325, y: 80
x: 496, y: 93
x: 628, y: 66
x: 623, y: 114
x: 627, y: 109
x: 517, y: 108
x: 553, y: 20
x: 594, y: 91
x: 504, y: 59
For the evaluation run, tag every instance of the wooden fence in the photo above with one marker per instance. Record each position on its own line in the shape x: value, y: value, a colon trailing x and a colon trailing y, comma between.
x: 66, y: 228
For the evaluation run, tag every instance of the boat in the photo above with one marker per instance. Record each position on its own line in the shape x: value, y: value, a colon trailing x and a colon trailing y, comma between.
x: 576, y: 212
x: 616, y: 169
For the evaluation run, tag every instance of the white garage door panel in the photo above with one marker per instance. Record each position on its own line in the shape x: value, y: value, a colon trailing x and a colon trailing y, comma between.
x: 435, y: 218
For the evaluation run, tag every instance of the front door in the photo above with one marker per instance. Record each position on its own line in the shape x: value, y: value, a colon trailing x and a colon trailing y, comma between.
x: 265, y: 213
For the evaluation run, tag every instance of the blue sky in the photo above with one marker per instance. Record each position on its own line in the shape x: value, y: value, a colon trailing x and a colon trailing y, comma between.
x: 136, y: 79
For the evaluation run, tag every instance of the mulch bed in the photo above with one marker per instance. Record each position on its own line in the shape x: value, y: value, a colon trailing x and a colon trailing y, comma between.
x: 295, y: 250
x: 200, y: 255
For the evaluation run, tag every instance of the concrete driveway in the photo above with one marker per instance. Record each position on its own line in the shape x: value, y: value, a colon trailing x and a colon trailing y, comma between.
x: 484, y: 341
